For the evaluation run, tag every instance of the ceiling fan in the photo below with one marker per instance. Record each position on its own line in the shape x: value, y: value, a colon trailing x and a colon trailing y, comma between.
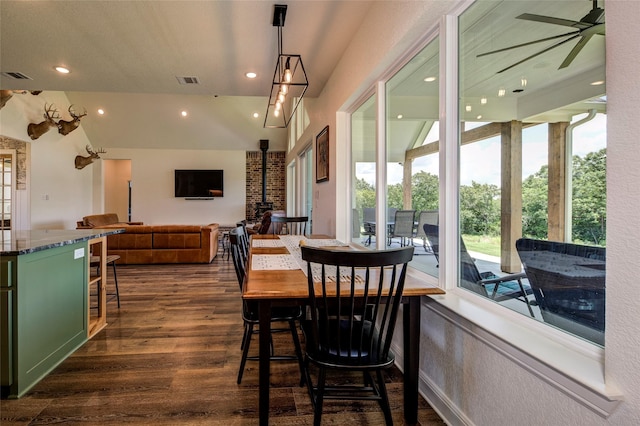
x: 591, y: 24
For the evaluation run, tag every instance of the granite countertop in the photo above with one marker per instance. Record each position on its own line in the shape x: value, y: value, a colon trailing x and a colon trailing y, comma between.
x: 24, y: 242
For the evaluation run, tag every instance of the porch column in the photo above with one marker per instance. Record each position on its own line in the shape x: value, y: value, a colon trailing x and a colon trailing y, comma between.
x: 557, y: 176
x: 406, y: 185
x: 511, y: 196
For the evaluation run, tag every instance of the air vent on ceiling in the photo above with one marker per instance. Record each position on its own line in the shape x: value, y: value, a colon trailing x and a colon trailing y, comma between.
x: 16, y: 75
x: 188, y: 80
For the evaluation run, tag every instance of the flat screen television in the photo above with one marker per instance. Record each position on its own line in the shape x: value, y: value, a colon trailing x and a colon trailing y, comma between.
x: 199, y: 183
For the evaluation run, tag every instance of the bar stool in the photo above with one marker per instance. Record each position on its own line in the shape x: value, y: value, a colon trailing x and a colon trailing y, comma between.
x: 110, y: 260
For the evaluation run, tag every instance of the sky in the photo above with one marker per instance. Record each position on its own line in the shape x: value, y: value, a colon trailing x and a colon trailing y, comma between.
x: 480, y: 161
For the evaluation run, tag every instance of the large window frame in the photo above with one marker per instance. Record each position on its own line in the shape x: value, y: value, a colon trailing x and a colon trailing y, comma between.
x: 529, y: 343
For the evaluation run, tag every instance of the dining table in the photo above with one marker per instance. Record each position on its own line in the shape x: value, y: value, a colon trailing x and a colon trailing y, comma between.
x: 276, y: 275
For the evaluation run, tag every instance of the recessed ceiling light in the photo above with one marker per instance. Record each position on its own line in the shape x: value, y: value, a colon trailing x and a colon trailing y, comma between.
x: 100, y: 111
x: 251, y: 75
x: 256, y: 115
x: 523, y: 81
x: 429, y: 79
x: 479, y: 117
x: 467, y: 108
x: 483, y: 100
x: 501, y: 92
x: 62, y: 70
x: 184, y: 113
x: 400, y: 116
x: 597, y: 83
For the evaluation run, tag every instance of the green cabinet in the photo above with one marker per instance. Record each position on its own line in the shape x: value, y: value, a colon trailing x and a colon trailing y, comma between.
x: 43, y: 313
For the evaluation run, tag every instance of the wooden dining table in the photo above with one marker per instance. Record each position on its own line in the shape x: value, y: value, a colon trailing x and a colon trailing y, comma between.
x: 273, y: 287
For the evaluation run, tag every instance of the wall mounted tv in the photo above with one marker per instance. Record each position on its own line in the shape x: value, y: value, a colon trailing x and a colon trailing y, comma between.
x: 201, y: 184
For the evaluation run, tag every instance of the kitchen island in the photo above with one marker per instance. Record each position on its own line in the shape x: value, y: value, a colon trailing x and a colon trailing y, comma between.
x: 50, y: 301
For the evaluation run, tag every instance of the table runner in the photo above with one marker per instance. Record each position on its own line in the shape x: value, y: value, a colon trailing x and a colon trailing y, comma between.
x: 292, y: 242
x: 263, y: 262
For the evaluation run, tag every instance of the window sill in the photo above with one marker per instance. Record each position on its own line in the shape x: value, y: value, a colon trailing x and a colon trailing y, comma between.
x: 569, y: 364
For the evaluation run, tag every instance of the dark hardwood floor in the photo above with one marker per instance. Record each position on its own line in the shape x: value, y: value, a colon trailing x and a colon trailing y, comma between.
x: 170, y: 355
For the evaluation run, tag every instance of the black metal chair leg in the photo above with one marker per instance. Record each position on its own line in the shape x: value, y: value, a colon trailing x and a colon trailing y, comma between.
x: 296, y: 344
x: 319, y: 397
x: 384, y: 398
x: 245, y: 351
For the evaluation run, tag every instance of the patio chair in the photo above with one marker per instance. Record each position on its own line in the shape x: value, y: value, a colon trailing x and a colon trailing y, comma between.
x: 487, y: 284
x: 403, y: 227
x: 568, y: 282
x: 426, y: 217
x: 358, y: 230
x: 369, y: 223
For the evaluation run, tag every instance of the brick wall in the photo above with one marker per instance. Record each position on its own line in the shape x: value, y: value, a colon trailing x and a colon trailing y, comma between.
x: 276, y: 181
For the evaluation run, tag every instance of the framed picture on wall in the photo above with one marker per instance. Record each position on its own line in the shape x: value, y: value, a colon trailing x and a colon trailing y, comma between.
x: 322, y: 155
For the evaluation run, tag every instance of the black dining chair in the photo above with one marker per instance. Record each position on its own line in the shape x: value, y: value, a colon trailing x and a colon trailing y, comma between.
x: 290, y: 315
x: 352, y: 332
x: 290, y: 225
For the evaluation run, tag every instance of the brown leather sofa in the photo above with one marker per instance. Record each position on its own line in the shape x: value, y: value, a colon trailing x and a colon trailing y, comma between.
x: 147, y: 244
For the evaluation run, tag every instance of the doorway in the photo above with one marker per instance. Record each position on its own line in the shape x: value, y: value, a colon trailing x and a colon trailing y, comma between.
x: 117, y: 188
x: 7, y: 189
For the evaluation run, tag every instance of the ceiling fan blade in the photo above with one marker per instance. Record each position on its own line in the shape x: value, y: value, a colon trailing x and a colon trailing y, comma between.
x: 574, y: 52
x: 538, y: 53
x: 553, y: 20
x: 528, y: 43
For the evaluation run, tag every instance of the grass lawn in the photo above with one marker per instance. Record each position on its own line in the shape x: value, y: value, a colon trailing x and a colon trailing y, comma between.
x: 482, y: 244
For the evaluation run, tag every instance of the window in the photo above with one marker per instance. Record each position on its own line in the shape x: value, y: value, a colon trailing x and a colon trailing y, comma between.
x: 532, y: 164
x: 363, y: 169
x: 412, y: 155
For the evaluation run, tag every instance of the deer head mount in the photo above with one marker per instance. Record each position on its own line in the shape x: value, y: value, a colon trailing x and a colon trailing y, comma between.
x: 5, y: 95
x: 65, y: 127
x: 36, y: 130
x: 82, y: 162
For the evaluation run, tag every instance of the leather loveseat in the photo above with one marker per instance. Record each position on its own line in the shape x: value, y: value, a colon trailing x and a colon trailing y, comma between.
x: 146, y: 244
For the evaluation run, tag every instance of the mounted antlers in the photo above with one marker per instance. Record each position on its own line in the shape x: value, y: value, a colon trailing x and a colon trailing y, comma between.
x: 36, y: 130
x: 82, y: 162
x: 65, y: 127
x: 5, y: 95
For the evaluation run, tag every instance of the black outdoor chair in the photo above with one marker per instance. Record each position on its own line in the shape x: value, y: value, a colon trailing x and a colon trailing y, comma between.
x: 250, y: 313
x: 358, y: 230
x: 369, y: 223
x: 426, y: 217
x: 497, y: 288
x: 352, y: 332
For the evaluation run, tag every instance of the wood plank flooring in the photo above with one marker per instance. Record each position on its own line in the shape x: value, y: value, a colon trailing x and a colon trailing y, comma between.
x: 170, y: 356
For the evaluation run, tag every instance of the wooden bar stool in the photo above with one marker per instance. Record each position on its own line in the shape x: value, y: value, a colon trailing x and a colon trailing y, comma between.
x: 111, y: 260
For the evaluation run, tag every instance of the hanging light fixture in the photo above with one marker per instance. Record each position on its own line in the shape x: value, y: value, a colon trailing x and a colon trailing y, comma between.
x: 289, y: 80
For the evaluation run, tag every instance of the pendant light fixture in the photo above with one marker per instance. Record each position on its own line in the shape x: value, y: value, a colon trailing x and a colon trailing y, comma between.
x: 289, y: 80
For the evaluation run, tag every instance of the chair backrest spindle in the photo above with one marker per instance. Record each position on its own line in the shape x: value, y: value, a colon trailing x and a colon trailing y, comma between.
x: 354, y: 302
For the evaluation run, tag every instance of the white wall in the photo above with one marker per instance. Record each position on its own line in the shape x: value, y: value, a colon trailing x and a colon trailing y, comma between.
x: 59, y: 194
x: 470, y: 380
x: 152, y: 193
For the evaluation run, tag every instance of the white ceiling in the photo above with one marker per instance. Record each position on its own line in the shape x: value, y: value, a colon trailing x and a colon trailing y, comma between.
x: 125, y: 56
